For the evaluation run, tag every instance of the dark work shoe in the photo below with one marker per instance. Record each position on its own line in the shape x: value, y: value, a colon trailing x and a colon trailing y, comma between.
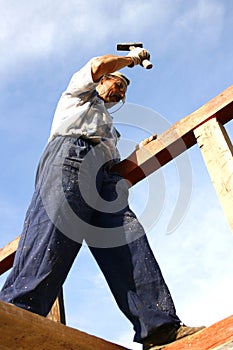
x: 167, y: 334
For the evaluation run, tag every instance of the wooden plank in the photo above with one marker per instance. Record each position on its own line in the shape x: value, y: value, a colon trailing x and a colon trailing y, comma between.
x: 214, y: 337
x: 175, y: 140
x: 227, y: 346
x: 217, y: 151
x: 57, y: 313
x: 23, y: 330
x: 7, y: 255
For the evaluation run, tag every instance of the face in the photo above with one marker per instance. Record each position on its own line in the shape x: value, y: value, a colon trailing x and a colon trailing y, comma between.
x: 111, y: 89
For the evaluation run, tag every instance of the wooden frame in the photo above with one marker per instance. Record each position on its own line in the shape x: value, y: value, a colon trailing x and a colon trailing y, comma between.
x: 205, y: 127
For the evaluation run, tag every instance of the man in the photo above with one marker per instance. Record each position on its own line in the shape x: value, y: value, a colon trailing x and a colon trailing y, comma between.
x: 77, y: 198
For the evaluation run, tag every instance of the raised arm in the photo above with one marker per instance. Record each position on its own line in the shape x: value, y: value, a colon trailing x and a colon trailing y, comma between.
x: 110, y: 63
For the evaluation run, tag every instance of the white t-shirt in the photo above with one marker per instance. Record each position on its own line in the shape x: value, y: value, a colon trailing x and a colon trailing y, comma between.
x: 80, y: 112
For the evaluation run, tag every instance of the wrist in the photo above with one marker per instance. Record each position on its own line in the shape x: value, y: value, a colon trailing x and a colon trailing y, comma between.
x: 129, y: 61
x: 135, y: 60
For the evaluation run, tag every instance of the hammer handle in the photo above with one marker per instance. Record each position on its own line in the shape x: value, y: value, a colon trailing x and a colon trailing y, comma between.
x: 145, y: 63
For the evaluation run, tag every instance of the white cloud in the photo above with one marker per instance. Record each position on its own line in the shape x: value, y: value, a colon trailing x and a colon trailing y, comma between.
x: 35, y: 30
x: 30, y: 28
x: 203, y: 21
x: 192, y: 29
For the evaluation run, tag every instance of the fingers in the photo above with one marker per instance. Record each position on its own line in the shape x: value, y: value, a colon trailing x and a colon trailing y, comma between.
x: 146, y: 141
x: 144, y: 55
x: 138, y: 55
x: 152, y: 137
x: 149, y: 139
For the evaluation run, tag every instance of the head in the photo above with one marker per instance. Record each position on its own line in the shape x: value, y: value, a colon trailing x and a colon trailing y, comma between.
x: 112, y: 87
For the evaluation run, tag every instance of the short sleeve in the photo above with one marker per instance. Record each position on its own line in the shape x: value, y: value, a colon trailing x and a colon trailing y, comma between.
x: 82, y: 80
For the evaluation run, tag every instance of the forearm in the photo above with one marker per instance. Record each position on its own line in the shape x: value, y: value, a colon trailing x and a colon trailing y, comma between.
x: 108, y: 64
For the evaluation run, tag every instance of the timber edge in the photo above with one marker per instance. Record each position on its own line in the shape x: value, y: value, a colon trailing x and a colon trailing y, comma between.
x: 24, y: 330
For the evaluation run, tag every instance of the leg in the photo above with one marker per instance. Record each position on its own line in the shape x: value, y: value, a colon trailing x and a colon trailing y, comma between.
x: 133, y: 274
x: 45, y: 254
x: 42, y: 262
x: 137, y: 284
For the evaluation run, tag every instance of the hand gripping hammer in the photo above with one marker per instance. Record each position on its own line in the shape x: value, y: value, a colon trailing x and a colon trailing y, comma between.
x: 130, y: 46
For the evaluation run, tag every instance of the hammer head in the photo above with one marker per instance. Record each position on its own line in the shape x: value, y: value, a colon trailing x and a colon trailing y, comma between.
x: 128, y: 46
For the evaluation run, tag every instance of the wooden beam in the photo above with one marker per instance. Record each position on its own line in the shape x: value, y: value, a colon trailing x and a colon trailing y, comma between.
x: 7, y: 255
x: 21, y: 329
x: 57, y: 313
x: 218, y: 336
x: 175, y: 140
x: 217, y: 151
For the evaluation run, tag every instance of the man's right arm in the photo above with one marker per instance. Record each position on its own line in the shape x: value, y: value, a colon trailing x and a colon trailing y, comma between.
x: 110, y: 63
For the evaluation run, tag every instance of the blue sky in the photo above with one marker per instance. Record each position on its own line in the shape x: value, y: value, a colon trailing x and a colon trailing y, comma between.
x: 42, y: 45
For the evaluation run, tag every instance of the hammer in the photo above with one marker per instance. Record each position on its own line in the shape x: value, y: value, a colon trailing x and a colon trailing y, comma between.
x: 130, y: 46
